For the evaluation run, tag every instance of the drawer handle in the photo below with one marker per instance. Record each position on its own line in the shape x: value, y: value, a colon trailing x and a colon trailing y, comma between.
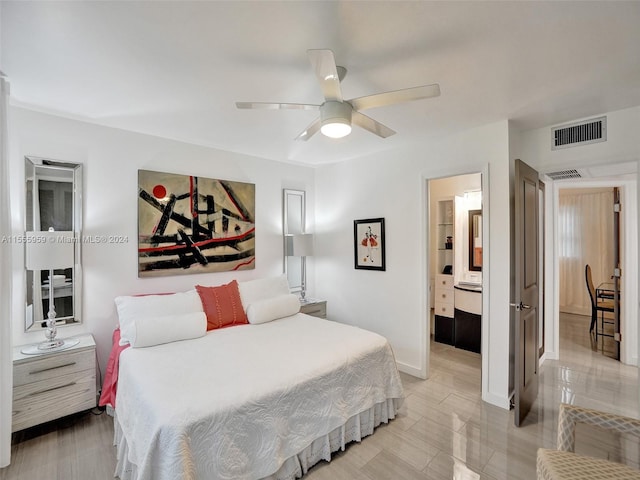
x: 444, y: 295
x: 52, y: 389
x: 444, y: 309
x: 52, y: 368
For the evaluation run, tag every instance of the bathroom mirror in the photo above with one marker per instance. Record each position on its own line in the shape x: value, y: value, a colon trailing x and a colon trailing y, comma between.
x: 293, y: 224
x: 53, y: 201
x: 475, y: 240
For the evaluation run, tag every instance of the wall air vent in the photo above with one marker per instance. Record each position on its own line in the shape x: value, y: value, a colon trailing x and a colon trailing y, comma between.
x: 580, y: 133
x: 564, y: 174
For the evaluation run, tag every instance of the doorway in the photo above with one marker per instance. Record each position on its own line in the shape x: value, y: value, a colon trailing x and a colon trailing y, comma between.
x: 455, y: 262
x: 587, y: 248
x: 628, y: 261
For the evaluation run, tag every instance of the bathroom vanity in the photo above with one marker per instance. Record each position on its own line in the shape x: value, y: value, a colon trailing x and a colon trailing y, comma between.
x: 467, y: 315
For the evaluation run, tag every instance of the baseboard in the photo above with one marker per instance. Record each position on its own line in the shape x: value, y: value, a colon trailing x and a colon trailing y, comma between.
x: 409, y: 370
x: 497, y: 400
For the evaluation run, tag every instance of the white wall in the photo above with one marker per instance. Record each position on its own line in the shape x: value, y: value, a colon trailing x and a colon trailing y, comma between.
x: 391, y: 185
x: 111, y: 160
x: 622, y: 146
x: 394, y: 303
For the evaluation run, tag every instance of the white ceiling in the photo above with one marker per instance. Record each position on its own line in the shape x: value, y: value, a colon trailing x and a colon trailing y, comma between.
x: 175, y: 69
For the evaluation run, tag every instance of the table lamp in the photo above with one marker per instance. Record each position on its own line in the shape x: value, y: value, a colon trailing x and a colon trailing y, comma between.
x: 300, y: 245
x: 49, y: 251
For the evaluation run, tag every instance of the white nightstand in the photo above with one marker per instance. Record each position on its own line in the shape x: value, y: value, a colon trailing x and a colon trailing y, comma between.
x: 53, y: 385
x: 315, y: 308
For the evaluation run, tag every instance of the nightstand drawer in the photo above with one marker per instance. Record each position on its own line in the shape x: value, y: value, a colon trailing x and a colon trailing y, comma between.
x: 315, y: 309
x: 53, y: 384
x: 49, y: 399
x: 47, y: 367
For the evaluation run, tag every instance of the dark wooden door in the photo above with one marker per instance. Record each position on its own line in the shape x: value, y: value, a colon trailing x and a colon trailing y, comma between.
x: 525, y: 302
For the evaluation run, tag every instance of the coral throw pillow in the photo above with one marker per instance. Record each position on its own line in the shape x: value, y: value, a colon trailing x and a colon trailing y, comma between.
x: 222, y: 305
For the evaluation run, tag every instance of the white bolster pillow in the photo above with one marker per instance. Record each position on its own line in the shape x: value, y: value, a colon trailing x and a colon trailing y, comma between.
x: 253, y: 291
x: 273, y: 308
x: 132, y: 308
x: 150, y: 331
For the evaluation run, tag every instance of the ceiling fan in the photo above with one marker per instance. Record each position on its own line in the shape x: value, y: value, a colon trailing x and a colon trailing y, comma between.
x: 336, y: 114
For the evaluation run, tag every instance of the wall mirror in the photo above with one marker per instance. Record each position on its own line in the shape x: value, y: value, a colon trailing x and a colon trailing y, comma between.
x: 293, y: 224
x: 475, y: 240
x: 53, y: 201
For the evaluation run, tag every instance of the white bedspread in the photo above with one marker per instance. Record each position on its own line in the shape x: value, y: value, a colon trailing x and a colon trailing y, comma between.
x: 238, y: 402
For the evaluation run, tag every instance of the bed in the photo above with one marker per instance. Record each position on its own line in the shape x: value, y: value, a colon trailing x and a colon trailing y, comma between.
x: 263, y: 400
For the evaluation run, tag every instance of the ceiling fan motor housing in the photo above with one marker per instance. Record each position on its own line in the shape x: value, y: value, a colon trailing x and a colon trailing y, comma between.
x: 336, y: 118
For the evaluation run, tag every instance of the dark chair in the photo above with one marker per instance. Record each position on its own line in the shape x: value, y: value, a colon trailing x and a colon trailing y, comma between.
x: 597, y: 304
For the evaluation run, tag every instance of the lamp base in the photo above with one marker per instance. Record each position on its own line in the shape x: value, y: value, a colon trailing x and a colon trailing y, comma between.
x: 50, y: 346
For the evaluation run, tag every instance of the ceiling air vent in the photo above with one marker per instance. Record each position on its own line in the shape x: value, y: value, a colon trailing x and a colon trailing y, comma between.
x: 581, y: 133
x: 564, y: 174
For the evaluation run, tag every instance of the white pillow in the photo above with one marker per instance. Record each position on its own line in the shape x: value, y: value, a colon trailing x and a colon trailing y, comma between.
x: 148, y: 306
x: 273, y: 308
x: 262, y: 288
x: 149, y: 331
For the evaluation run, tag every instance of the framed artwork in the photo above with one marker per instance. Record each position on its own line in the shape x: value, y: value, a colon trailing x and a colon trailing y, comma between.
x: 189, y: 224
x: 368, y: 242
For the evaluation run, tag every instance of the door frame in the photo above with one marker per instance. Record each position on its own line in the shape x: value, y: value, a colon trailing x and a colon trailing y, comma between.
x: 629, y: 347
x: 542, y: 234
x: 426, y: 269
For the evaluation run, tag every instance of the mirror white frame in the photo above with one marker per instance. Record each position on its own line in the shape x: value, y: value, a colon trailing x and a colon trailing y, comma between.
x: 63, y: 183
x: 294, y: 211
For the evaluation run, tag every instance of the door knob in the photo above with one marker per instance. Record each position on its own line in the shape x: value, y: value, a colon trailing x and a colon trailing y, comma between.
x: 520, y: 306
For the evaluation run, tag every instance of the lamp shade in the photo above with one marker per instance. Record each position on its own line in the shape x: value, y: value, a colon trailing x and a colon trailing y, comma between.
x: 335, y: 119
x: 299, y: 245
x: 49, y: 250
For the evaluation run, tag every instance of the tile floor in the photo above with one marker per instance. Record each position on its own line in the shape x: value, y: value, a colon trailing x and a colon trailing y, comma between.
x: 449, y: 433
x: 446, y: 432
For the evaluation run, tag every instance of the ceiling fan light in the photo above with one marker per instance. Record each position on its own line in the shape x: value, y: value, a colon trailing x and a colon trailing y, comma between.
x: 336, y: 129
x: 336, y: 119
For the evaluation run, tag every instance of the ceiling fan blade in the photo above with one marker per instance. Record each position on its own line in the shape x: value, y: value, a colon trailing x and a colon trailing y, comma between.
x: 397, y: 96
x: 324, y: 64
x: 276, y: 106
x: 371, y: 125
x: 310, y: 131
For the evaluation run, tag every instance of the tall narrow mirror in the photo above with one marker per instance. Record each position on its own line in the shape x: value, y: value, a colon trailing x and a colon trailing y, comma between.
x: 293, y: 224
x: 53, y: 203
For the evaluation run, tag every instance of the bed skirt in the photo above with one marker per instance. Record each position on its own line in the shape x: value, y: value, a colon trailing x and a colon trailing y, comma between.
x: 354, y: 429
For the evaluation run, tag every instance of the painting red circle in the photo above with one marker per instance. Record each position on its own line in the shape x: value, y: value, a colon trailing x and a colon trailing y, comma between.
x: 159, y: 191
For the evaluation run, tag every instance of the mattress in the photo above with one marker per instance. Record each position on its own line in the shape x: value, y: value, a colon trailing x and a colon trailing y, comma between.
x: 241, y: 402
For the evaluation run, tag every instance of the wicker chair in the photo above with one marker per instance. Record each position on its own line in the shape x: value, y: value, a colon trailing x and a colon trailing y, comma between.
x: 564, y: 464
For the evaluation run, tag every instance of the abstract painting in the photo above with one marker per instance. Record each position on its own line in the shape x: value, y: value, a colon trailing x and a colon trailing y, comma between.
x: 189, y: 224
x: 368, y: 240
